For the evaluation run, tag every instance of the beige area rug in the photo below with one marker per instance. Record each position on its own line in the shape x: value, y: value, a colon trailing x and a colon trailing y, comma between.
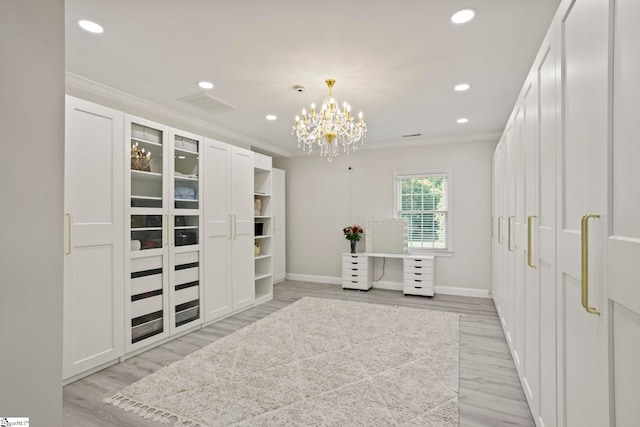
x: 316, y: 362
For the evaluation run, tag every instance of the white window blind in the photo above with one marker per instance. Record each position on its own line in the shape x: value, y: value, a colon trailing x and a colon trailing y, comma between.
x: 423, y: 201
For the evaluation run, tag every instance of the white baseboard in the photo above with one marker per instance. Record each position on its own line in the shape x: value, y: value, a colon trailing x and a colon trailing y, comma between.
x: 462, y: 292
x: 315, y: 279
x: 394, y: 286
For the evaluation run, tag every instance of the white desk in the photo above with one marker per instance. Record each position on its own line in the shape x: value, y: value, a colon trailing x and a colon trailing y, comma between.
x: 418, y: 272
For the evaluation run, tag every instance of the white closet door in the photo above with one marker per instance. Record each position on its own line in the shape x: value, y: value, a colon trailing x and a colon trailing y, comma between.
x: 509, y: 305
x: 242, y: 241
x: 583, y: 178
x: 217, y: 230
x: 544, y: 238
x: 518, y: 224
x: 531, y: 316
x: 498, y: 261
x: 93, y: 267
x: 624, y: 236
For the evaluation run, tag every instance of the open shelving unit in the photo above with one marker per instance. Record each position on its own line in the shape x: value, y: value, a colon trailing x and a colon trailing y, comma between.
x: 263, y: 230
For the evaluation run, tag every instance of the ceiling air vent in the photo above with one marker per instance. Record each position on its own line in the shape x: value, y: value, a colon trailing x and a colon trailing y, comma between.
x: 412, y: 135
x: 207, y: 103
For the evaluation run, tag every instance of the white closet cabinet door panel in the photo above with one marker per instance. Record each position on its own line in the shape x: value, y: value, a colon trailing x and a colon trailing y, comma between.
x: 531, y: 316
x: 517, y: 232
x: 93, y: 291
x: 509, y: 239
x: 583, y: 179
x: 624, y: 238
x: 544, y: 241
x: 217, y: 230
x: 242, y: 228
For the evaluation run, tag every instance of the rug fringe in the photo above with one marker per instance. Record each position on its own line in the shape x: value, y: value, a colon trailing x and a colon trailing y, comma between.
x: 149, y: 412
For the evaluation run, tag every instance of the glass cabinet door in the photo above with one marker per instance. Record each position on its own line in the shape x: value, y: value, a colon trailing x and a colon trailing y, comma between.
x: 146, y: 166
x: 186, y: 157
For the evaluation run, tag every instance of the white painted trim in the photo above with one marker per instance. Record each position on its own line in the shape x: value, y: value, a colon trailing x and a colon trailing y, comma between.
x: 314, y: 279
x: 395, y: 286
x: 79, y: 83
x: 392, y: 286
x: 417, y: 142
x: 463, y: 292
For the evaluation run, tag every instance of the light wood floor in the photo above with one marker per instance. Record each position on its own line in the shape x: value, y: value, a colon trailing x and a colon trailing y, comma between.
x: 490, y: 391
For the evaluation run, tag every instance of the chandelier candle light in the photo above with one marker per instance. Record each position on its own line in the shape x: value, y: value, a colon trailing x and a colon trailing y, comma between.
x: 330, y: 127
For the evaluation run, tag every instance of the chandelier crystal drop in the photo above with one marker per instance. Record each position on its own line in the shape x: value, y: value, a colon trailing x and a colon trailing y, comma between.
x: 331, y: 128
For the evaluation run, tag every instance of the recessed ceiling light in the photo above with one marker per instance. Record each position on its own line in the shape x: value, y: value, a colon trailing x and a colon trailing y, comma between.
x: 462, y: 120
x: 182, y: 157
x: 462, y: 16
x: 461, y: 87
x: 270, y: 117
x: 205, y: 85
x: 90, y: 26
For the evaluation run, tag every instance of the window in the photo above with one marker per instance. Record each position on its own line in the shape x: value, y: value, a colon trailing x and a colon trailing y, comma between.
x: 423, y: 199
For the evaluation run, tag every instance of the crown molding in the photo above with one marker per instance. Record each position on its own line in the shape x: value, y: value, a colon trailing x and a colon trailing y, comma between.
x: 421, y: 141
x: 75, y: 83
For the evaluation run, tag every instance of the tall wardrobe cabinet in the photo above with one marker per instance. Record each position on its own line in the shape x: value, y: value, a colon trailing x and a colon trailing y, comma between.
x: 164, y: 253
x: 228, y: 229
x: 567, y: 242
x: 94, y: 219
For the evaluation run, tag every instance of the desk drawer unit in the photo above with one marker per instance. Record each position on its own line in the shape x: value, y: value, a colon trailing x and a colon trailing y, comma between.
x: 357, y: 272
x: 419, y: 275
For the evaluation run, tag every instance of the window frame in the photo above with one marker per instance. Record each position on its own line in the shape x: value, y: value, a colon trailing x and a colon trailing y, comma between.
x: 427, y: 173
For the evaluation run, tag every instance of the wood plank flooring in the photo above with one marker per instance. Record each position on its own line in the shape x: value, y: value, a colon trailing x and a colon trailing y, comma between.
x: 490, y: 391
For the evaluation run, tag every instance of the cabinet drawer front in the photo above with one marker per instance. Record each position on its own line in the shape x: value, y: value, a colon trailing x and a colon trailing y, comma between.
x: 147, y: 263
x: 419, y: 290
x: 358, y: 259
x: 418, y: 282
x: 146, y: 306
x: 354, y: 274
x: 186, y: 258
x: 356, y: 284
x: 425, y: 269
x: 419, y: 260
x: 355, y: 265
x: 143, y: 284
x: 187, y: 275
x: 187, y: 295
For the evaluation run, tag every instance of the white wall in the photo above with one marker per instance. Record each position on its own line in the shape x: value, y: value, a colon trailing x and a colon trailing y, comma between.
x: 31, y: 218
x: 324, y: 197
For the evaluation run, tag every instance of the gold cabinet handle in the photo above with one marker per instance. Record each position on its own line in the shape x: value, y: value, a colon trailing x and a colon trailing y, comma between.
x: 509, y: 233
x: 499, y: 228
x: 68, y: 252
x: 585, y: 262
x: 529, y: 218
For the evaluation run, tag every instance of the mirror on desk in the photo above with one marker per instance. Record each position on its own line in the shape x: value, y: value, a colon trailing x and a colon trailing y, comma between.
x: 386, y: 235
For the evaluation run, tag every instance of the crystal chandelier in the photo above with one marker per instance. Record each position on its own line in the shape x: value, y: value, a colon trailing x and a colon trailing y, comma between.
x: 331, y: 128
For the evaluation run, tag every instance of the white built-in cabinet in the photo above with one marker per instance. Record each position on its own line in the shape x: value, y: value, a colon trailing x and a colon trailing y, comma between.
x: 159, y: 232
x: 163, y: 291
x: 263, y: 228
x: 566, y: 242
x: 279, y: 221
x: 228, y: 229
x: 93, y: 332
x: 623, y: 232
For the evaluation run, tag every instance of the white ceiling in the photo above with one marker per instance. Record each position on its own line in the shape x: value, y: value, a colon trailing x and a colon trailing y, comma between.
x: 396, y: 61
